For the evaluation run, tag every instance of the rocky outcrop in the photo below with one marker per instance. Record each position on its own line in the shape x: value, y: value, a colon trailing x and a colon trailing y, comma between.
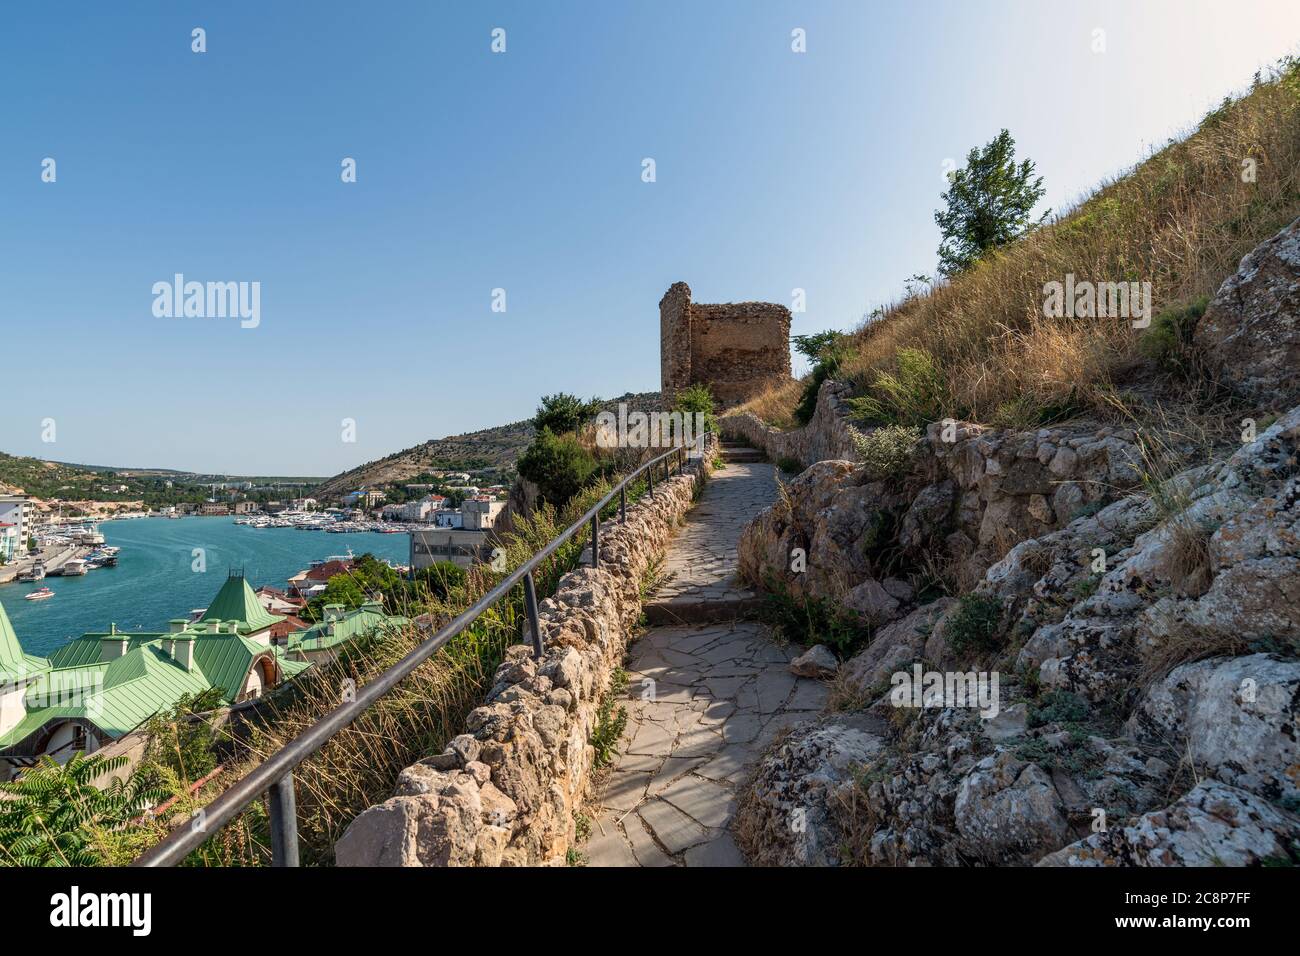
x: 1146, y: 636
x: 964, y: 505
x: 1250, y: 333
x: 1212, y: 825
x: 505, y: 791
x: 828, y: 435
x: 1082, y: 743
x: 1234, y: 718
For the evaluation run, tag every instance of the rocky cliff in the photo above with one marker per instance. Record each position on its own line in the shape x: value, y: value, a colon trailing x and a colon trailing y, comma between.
x: 1139, y: 631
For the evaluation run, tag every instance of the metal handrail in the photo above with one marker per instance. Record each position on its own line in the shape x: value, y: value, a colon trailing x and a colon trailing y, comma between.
x: 275, y: 774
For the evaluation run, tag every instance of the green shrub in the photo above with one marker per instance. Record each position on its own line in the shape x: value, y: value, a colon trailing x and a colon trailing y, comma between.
x: 811, y: 620
x: 697, y: 398
x: 1058, y: 707
x: 559, y: 465
x: 54, y: 815
x: 563, y: 412
x: 913, y: 395
x: 974, y: 625
x: 826, y: 351
x: 1168, y: 342
x: 791, y: 466
x: 887, y: 452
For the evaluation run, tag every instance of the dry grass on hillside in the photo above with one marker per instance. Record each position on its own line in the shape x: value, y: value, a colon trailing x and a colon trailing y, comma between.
x: 1182, y: 220
x: 775, y: 403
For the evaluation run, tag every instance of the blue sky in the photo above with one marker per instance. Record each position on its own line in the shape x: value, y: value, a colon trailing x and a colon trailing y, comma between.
x: 522, y: 171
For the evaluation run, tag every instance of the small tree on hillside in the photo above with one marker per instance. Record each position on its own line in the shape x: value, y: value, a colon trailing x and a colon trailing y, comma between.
x: 563, y: 412
x: 989, y: 202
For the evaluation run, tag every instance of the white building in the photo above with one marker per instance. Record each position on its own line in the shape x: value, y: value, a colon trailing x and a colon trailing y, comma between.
x: 10, y: 545
x: 480, y: 513
x: 460, y: 547
x: 16, y: 510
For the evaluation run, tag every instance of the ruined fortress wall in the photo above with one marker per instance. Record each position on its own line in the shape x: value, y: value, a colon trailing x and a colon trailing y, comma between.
x: 674, y: 340
x: 736, y: 349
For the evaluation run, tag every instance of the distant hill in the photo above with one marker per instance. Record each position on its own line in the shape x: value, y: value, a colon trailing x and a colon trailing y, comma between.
x: 495, y: 448
x: 58, y: 479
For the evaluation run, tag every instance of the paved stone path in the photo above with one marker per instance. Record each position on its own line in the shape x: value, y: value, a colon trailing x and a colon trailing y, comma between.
x: 699, y: 572
x: 704, y: 700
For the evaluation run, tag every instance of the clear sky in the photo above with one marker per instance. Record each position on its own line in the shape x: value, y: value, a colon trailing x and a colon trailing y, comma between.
x: 521, y: 170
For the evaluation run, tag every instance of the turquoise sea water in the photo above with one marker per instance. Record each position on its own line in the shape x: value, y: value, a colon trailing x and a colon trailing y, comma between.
x: 154, y: 581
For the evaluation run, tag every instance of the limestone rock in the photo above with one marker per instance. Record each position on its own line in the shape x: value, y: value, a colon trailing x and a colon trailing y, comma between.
x: 1236, y: 718
x: 1009, y: 811
x: 1212, y: 825
x: 895, y: 647
x: 791, y: 817
x: 1251, y: 330
x: 818, y: 661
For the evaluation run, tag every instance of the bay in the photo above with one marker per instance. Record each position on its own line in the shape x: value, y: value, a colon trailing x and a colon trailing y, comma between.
x: 155, y: 580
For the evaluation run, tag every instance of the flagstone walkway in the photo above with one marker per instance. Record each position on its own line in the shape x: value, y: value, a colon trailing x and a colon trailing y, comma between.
x: 704, y: 699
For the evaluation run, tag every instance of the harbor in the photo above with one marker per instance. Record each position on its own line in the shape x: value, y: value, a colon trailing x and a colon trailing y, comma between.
x: 163, y: 564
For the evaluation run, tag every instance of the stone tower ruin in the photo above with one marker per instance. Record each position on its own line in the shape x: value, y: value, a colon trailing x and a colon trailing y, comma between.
x: 736, y: 348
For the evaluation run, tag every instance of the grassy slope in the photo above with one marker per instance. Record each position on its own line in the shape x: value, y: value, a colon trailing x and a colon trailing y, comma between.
x: 1181, y: 220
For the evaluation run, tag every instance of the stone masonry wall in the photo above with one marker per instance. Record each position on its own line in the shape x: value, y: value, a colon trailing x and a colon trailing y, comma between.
x: 828, y: 436
x: 505, y: 791
x: 736, y: 349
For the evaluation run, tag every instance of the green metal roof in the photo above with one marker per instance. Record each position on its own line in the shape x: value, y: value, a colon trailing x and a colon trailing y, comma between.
x: 120, y: 694
x: 360, y: 622
x: 237, y: 602
x: 14, y: 664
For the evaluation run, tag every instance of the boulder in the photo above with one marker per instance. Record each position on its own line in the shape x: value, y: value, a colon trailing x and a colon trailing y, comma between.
x: 1008, y: 811
x: 1234, y: 718
x: 895, y: 647
x: 1250, y: 333
x: 818, y: 661
x: 1212, y: 825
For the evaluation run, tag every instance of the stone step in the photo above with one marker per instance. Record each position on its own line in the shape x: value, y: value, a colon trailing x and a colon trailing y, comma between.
x: 741, y: 453
x: 738, y: 605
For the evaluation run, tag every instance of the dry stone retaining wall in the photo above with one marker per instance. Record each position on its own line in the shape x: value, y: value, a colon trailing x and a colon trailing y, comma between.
x: 505, y: 791
x: 828, y: 436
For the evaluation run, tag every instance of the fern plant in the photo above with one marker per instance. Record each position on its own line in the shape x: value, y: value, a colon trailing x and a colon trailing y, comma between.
x: 54, y: 815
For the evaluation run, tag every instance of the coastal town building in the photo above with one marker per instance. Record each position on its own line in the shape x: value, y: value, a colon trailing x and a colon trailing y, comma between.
x: 214, y: 508
x: 11, y: 543
x: 323, y: 641
x: 461, y: 547
x: 309, y: 583
x: 244, y: 507
x: 102, y: 686
x: 17, y: 510
x: 480, y: 512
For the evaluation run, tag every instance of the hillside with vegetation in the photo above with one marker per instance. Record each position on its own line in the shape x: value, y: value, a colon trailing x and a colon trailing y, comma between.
x: 978, y: 347
x: 1091, y: 523
x: 495, y: 450
x: 151, y: 487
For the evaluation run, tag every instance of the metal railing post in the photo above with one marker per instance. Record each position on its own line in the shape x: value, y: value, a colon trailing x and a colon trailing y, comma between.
x: 530, y: 608
x: 284, y: 822
x: 622, y: 504
x: 650, y: 479
x: 595, y: 540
